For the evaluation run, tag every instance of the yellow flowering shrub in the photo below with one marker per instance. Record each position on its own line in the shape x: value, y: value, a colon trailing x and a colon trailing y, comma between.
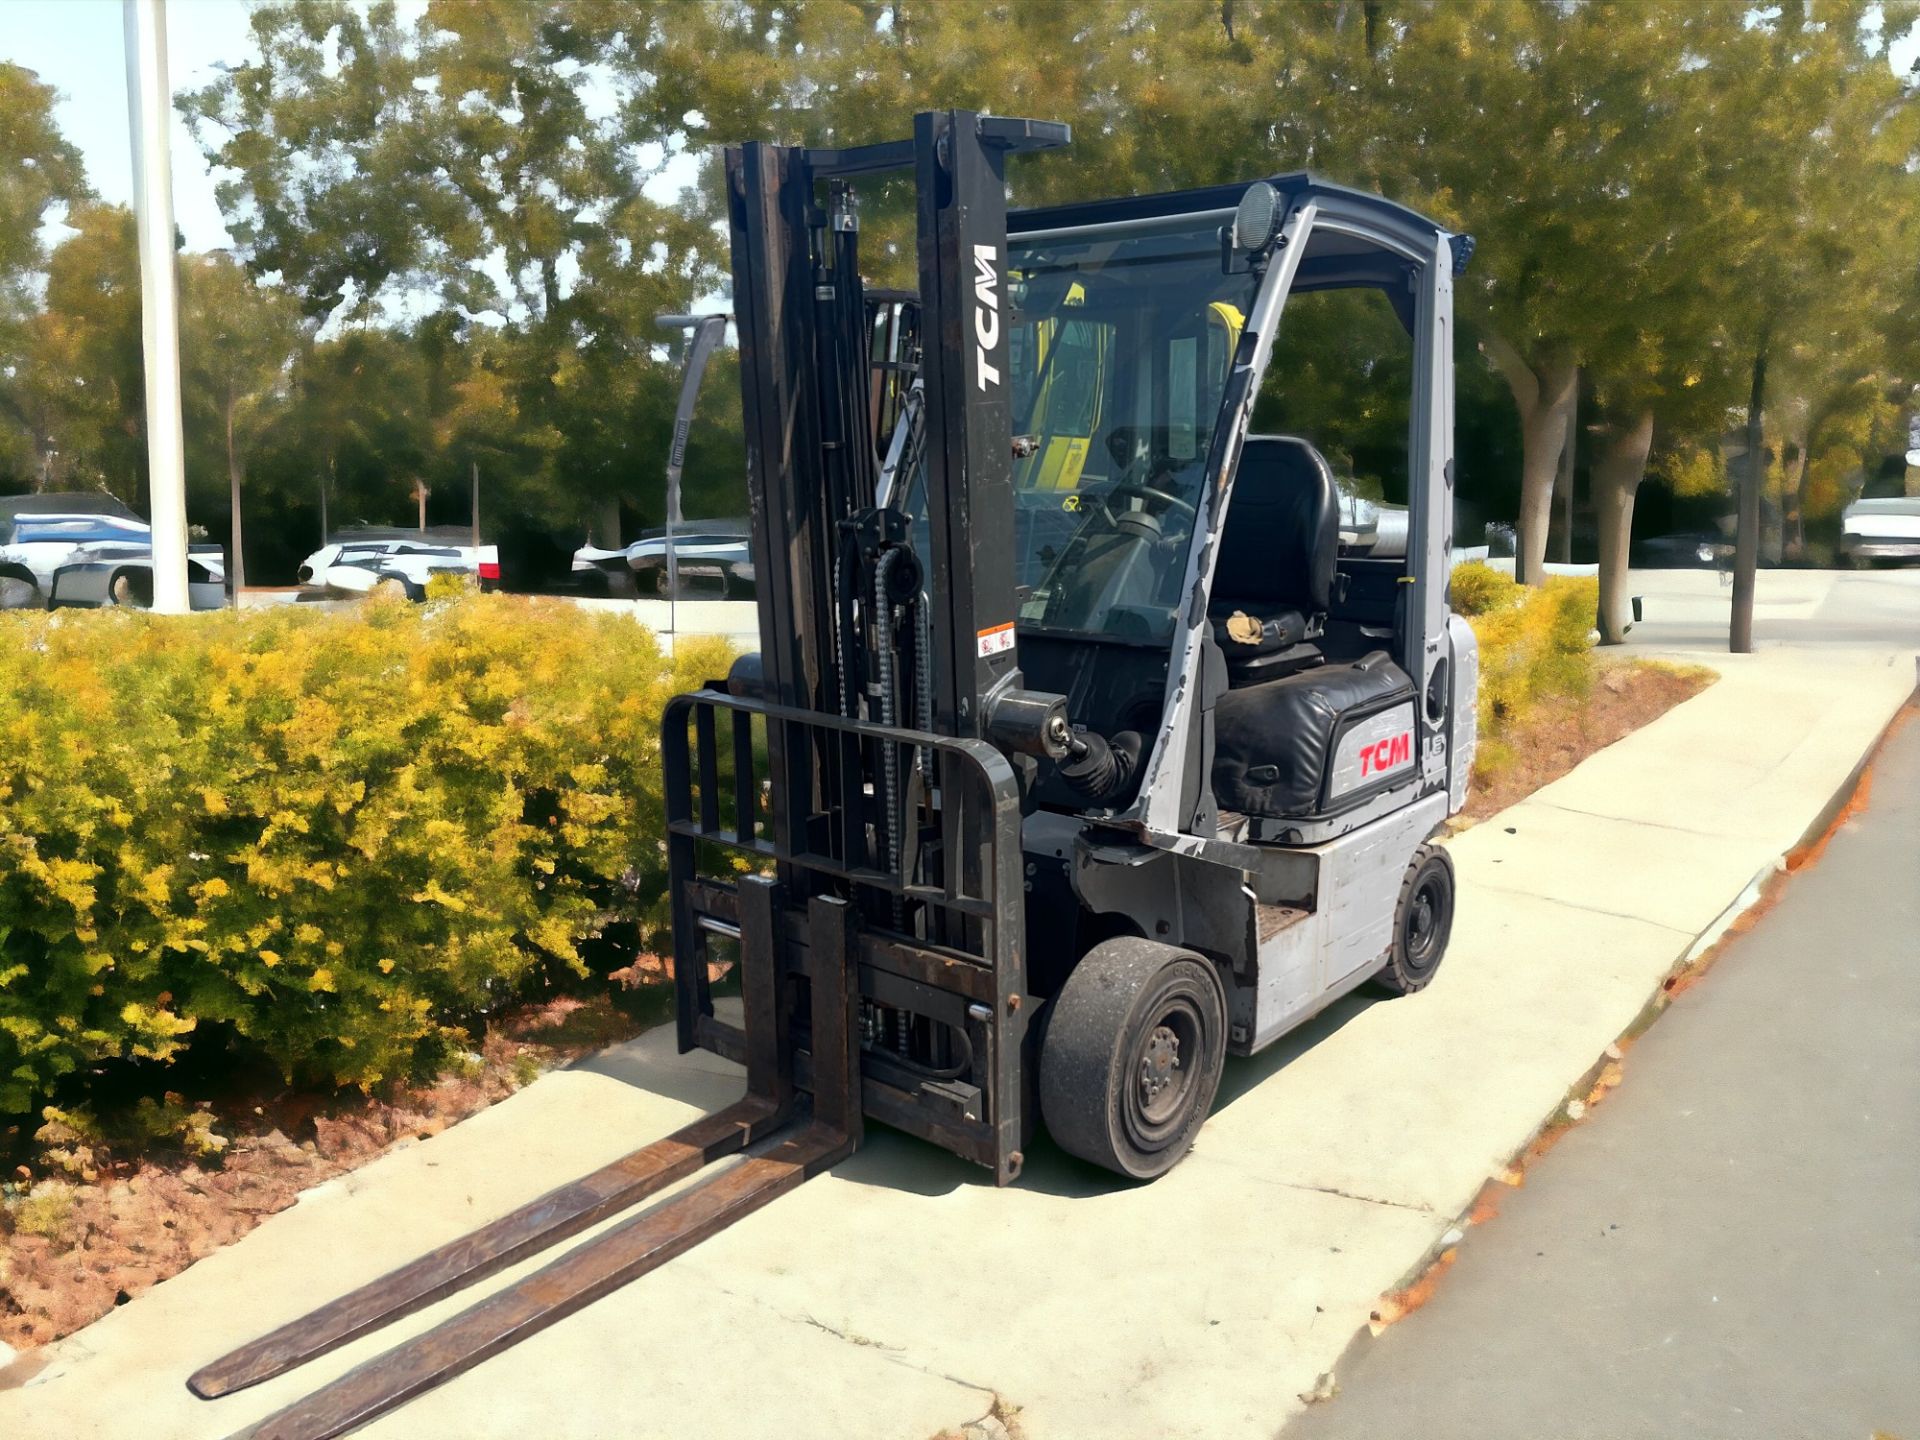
x: 1476, y: 587
x: 337, y: 835
x: 1535, y: 642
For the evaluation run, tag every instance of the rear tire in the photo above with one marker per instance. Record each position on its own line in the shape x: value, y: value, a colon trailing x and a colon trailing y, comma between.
x: 20, y: 591
x: 1422, y: 923
x: 1131, y: 1061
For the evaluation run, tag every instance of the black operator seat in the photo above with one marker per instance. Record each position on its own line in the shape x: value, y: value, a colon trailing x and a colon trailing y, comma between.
x: 1273, y: 582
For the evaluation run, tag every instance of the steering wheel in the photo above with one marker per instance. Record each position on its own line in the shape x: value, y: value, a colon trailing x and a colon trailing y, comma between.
x: 1150, y: 492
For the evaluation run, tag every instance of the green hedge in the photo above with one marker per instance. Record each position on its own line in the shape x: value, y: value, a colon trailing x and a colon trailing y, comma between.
x: 342, y: 835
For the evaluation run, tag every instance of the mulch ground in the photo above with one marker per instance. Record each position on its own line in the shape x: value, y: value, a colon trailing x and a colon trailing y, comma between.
x: 72, y: 1249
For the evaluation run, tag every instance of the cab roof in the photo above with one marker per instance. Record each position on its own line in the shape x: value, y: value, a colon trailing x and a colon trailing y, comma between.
x: 1293, y: 186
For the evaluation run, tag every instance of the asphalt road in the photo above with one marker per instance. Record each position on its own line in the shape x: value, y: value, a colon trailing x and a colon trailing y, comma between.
x: 1829, y: 609
x: 1730, y: 1245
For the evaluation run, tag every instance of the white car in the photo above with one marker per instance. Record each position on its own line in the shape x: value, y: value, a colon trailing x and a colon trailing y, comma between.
x: 710, y: 555
x: 1883, y: 522
x: 361, y: 564
x: 90, y: 550
x: 1376, y: 528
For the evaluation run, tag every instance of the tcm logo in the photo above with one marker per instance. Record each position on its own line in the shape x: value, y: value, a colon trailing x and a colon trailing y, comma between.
x: 986, y: 313
x: 1386, y: 754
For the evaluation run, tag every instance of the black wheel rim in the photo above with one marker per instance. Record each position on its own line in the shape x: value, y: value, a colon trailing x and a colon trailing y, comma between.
x: 1425, y: 926
x: 1163, y: 1074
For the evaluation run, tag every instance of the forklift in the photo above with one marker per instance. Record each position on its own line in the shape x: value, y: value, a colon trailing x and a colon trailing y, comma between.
x: 1076, y: 756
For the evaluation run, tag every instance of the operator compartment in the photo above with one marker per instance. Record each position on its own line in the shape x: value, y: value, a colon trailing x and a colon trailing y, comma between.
x: 1298, y: 735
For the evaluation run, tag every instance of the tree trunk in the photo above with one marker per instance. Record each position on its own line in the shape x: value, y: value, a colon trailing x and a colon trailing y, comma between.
x: 606, y: 525
x: 1617, y: 472
x: 1563, y: 481
x: 237, y: 565
x: 1801, y: 489
x: 1543, y: 393
x: 1746, y: 542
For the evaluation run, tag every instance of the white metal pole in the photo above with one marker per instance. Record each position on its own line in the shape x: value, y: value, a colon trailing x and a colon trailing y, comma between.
x: 149, y: 114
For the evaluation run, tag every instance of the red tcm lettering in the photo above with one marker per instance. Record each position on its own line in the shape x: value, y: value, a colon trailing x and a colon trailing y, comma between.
x: 1386, y: 754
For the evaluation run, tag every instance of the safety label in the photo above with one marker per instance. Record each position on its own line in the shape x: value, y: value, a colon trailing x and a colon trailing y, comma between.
x: 996, y: 640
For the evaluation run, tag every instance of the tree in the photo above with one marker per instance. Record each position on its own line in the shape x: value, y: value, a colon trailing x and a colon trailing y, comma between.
x: 40, y: 175
x: 361, y: 432
x: 1813, y: 174
x: 79, y: 385
x: 238, y: 341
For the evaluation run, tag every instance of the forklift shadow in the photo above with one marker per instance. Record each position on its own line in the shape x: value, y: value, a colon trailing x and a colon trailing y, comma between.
x: 1243, y: 1075
x: 893, y: 1160
x: 890, y: 1159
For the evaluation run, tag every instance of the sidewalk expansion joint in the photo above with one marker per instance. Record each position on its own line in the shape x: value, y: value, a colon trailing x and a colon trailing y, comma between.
x: 1586, y: 814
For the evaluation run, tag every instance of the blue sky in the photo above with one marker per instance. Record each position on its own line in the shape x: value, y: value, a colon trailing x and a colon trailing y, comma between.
x: 78, y: 47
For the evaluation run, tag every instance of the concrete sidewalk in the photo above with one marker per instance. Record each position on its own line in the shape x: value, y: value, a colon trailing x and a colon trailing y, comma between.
x: 1731, y: 1246
x: 895, y: 1296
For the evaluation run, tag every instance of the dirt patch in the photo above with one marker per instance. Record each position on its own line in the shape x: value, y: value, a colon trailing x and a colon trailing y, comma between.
x: 1557, y: 734
x: 73, y: 1246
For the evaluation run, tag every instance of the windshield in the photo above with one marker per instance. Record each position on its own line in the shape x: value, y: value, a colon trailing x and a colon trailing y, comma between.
x: 1119, y: 346
x: 1119, y: 352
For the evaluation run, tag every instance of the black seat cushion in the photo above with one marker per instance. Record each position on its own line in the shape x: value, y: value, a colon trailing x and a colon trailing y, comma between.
x: 1273, y: 743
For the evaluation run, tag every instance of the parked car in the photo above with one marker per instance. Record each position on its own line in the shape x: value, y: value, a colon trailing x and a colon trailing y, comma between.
x: 712, y: 557
x: 90, y: 551
x: 1682, y: 550
x: 1376, y: 528
x: 359, y: 562
x: 1883, y: 522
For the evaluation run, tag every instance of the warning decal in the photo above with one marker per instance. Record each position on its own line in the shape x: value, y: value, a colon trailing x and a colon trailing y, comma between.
x: 996, y: 640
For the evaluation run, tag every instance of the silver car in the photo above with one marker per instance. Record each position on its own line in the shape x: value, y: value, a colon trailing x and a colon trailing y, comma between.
x: 90, y: 551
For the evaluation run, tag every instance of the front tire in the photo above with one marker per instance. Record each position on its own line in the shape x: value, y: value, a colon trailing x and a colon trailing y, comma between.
x: 1132, y: 1056
x: 20, y: 592
x: 1422, y: 923
x: 131, y: 590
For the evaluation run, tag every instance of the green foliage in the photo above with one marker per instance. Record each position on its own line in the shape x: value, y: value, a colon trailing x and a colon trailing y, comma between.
x: 40, y: 171
x: 337, y: 837
x: 1342, y: 377
x: 1693, y: 471
x: 1535, y: 643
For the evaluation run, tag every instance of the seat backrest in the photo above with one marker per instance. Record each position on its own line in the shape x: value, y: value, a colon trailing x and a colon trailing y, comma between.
x: 1282, y: 534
